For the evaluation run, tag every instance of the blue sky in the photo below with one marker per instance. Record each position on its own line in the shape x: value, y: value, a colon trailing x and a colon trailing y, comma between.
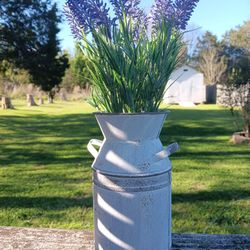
x: 216, y: 16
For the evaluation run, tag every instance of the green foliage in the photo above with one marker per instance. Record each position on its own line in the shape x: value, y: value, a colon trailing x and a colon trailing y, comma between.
x: 212, y: 66
x: 207, y: 41
x: 9, y: 73
x: 204, y: 44
x: 79, y: 68
x: 239, y: 37
x: 28, y: 40
x: 12, y: 79
x: 77, y: 74
x: 46, y: 175
x: 208, y: 58
x: 23, y: 29
x: 129, y: 75
x: 50, y: 65
x: 236, y: 48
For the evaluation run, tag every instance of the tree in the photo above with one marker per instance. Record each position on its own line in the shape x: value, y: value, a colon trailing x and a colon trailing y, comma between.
x: 236, y: 48
x: 79, y: 68
x: 212, y: 66
x: 205, y: 42
x: 22, y: 30
x: 29, y: 40
x: 10, y: 73
x: 77, y: 74
x: 50, y: 67
x: 208, y: 58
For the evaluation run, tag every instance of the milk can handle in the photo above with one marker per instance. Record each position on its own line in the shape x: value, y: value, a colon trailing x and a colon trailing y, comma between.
x: 91, y: 147
x: 172, y: 148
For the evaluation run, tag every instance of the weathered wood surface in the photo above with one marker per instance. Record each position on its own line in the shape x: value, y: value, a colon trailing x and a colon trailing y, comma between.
x: 44, y: 239
x: 54, y: 239
x: 211, y: 241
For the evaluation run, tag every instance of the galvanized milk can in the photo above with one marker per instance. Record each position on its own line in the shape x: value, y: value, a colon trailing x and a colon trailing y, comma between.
x: 132, y: 183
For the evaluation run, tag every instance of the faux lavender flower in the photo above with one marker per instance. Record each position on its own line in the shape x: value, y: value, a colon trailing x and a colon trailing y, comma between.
x: 183, y: 12
x: 130, y: 7
x: 132, y: 10
x: 162, y: 8
x: 86, y: 15
x: 178, y: 12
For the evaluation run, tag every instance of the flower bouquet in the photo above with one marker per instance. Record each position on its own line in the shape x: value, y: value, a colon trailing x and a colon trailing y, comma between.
x: 131, y: 54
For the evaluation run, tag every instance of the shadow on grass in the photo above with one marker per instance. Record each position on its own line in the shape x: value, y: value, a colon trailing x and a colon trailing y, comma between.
x: 198, y: 123
x: 34, y: 139
x: 21, y: 156
x: 40, y: 139
x: 62, y: 139
x: 59, y: 203
x: 46, y: 203
x: 224, y: 195
x: 193, y: 123
x: 75, y: 125
x: 215, y: 154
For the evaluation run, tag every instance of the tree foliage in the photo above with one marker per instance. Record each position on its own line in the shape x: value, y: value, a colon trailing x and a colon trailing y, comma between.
x: 77, y: 75
x: 205, y: 42
x: 28, y: 39
x: 51, y: 65
x: 212, y: 66
x: 23, y: 29
x: 9, y: 73
x: 236, y: 47
x: 79, y: 68
x: 208, y: 58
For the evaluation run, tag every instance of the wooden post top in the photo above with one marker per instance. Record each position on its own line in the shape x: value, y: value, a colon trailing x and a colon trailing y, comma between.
x: 58, y: 239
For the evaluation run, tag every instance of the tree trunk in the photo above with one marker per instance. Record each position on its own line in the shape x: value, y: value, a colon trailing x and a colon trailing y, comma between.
x: 30, y: 101
x: 41, y: 101
x: 248, y: 131
x: 246, y: 117
x: 50, y: 97
x: 6, y: 103
x: 63, y: 96
x: 247, y: 112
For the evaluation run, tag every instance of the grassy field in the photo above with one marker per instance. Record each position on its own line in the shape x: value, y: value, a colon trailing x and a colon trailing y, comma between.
x: 45, y: 173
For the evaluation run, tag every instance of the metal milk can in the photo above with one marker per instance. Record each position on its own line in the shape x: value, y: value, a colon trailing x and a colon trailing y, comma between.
x: 132, y: 183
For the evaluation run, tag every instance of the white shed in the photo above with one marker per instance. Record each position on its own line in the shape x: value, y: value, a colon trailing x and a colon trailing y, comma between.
x: 186, y: 85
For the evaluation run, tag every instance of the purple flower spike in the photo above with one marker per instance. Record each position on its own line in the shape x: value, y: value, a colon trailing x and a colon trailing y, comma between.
x: 178, y: 11
x: 86, y: 15
x: 133, y: 11
x: 183, y: 12
x: 162, y: 8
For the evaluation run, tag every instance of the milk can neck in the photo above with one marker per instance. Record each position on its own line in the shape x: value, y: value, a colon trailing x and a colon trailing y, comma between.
x: 134, y: 128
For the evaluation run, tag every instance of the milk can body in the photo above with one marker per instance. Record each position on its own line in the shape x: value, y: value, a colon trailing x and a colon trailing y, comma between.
x: 132, y: 183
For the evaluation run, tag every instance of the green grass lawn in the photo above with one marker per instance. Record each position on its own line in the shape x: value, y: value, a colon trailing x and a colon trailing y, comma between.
x: 45, y: 169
